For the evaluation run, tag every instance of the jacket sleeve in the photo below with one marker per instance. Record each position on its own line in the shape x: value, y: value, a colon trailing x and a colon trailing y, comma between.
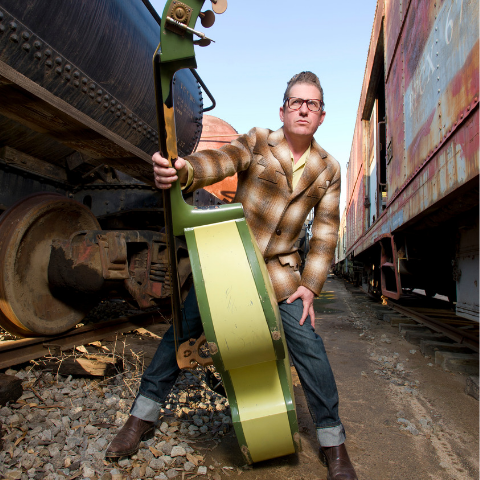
x: 324, y: 237
x: 212, y: 166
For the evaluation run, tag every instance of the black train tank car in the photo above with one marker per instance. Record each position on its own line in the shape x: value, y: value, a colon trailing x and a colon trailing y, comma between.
x: 77, y: 131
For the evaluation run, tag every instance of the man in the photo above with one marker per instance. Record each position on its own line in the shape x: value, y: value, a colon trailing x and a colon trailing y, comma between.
x: 282, y: 175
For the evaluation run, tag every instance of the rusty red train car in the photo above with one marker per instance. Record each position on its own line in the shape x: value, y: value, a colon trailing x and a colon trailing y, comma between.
x: 412, y: 204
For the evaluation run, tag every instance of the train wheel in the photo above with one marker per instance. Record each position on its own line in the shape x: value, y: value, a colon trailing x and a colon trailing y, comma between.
x: 28, y: 307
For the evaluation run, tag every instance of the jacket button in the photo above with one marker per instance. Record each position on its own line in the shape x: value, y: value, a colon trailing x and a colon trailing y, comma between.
x: 278, y: 231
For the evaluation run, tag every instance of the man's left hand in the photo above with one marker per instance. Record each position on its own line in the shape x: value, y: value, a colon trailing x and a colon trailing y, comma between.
x: 307, y: 297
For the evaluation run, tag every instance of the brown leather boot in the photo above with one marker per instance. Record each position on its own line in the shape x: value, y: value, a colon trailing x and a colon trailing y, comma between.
x: 339, y: 465
x: 129, y: 437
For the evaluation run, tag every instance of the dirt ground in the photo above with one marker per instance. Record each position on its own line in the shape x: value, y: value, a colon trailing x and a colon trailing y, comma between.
x: 441, y: 442
x: 405, y: 418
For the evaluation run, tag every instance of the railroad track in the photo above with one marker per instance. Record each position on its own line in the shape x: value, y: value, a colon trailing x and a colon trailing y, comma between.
x: 434, y: 314
x: 459, y: 329
x: 15, y: 352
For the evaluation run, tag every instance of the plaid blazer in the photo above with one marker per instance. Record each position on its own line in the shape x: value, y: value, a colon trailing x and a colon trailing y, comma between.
x: 273, y: 210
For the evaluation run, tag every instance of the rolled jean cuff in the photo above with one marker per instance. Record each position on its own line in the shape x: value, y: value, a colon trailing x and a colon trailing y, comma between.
x: 331, y: 436
x: 146, y: 409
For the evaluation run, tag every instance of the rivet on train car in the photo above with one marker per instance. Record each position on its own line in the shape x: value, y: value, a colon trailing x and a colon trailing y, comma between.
x: 118, y: 114
x: 468, y: 108
x: 112, y: 110
x: 99, y: 99
x: 113, y: 102
x: 68, y: 68
x: 119, y: 107
x: 1, y: 16
x: 49, y: 63
x: 14, y: 38
x: 145, y: 127
x: 140, y: 124
x: 2, y: 28
x: 129, y: 122
x: 76, y: 74
x: 68, y: 77
x: 124, y: 118
x: 92, y: 86
x: 100, y: 92
x: 48, y: 53
x: 124, y: 111
x: 38, y: 45
x: 26, y: 47
x: 106, y: 98
x: 13, y: 26
x: 461, y: 115
x: 76, y: 83
x: 105, y: 105
x: 58, y: 60
x: 58, y: 71
x: 25, y: 35
x: 84, y: 81
x: 91, y: 95
x: 38, y: 55
x: 135, y: 119
x: 84, y: 89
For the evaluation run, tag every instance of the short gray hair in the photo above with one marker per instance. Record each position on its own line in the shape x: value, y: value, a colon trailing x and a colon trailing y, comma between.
x: 304, y: 77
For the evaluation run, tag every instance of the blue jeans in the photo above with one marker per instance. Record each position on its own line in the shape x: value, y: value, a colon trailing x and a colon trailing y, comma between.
x: 306, y: 351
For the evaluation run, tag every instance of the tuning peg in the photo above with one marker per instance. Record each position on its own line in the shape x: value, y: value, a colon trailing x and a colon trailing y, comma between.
x: 219, y: 6
x: 185, y: 28
x: 203, y: 42
x: 208, y: 18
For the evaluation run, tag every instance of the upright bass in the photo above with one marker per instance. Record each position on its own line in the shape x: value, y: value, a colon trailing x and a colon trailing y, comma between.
x: 237, y: 304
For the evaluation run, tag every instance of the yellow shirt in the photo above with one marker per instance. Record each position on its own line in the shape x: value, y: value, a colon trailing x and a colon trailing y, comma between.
x: 299, y: 166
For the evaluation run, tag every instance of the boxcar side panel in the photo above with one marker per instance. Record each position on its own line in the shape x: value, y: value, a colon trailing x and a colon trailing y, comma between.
x: 441, y: 73
x: 431, y: 96
x: 455, y: 164
x: 393, y: 25
x: 394, y: 92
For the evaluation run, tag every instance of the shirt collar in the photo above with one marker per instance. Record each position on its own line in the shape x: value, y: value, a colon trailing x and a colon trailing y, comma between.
x: 302, y: 160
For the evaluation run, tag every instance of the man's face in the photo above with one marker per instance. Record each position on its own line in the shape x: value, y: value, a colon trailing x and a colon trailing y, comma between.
x: 303, y: 121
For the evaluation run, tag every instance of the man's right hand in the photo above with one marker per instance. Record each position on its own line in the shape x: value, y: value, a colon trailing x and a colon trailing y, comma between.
x: 164, y: 175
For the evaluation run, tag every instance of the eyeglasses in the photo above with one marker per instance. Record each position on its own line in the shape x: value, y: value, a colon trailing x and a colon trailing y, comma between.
x: 313, y: 104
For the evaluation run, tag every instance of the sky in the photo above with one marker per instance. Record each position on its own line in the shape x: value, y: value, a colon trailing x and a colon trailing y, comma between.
x: 259, y: 45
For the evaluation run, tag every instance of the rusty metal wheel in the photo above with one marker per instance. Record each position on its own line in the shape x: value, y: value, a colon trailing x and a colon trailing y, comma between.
x: 28, y: 307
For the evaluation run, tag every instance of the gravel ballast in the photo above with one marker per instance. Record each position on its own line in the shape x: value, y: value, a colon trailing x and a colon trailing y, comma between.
x: 61, y: 426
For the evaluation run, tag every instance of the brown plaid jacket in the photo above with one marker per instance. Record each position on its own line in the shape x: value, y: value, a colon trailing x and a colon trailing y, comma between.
x: 274, y: 211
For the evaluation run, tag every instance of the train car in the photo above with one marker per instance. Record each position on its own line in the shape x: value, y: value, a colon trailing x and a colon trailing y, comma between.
x: 412, y: 209
x: 81, y: 219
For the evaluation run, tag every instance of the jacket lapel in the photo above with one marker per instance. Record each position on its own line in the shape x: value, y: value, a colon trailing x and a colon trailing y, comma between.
x: 280, y: 150
x: 314, y: 166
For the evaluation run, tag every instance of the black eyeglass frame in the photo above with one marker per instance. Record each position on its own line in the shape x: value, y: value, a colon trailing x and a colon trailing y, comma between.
x: 287, y: 101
